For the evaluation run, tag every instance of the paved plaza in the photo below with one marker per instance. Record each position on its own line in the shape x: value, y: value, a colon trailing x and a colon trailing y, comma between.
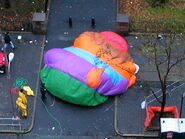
x: 120, y: 117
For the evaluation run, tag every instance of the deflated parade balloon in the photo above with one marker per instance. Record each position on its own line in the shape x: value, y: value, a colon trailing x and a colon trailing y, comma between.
x: 98, y: 65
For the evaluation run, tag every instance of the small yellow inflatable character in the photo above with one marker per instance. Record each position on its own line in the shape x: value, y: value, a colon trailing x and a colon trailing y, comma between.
x: 23, y: 96
x: 28, y: 90
x: 22, y: 106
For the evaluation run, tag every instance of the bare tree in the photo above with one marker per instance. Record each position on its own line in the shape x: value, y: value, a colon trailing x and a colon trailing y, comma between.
x: 165, y: 53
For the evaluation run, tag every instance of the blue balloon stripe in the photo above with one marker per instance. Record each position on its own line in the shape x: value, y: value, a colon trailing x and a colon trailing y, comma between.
x: 114, y: 76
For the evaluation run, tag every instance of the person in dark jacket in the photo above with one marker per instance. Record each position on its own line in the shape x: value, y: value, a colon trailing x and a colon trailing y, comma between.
x: 93, y: 22
x: 43, y: 91
x: 70, y: 22
x: 7, y: 41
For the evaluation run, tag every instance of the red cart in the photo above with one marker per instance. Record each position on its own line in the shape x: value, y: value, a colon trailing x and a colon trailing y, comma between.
x: 2, y: 63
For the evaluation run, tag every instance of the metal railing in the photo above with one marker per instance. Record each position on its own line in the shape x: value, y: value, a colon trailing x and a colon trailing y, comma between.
x: 174, y: 93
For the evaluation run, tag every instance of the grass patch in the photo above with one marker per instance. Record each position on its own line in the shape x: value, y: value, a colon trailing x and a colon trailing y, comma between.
x: 145, y: 18
x: 19, y: 14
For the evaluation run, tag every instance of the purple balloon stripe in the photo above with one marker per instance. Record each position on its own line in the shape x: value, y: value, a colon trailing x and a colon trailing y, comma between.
x: 78, y: 68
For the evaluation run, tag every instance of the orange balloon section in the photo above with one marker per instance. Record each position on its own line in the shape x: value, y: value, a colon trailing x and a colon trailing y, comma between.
x: 111, y: 49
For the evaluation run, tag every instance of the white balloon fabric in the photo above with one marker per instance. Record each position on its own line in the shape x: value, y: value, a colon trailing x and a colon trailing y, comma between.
x: 10, y: 56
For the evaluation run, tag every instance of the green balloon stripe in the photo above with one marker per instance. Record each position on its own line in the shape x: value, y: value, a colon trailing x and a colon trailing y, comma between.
x: 69, y: 89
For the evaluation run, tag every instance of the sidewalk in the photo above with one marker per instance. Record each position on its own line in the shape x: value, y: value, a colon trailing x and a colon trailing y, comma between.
x: 130, y: 116
x: 25, y: 65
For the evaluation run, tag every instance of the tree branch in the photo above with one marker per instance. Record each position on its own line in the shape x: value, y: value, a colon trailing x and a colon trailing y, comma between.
x: 157, y: 64
x: 177, y: 62
x: 156, y: 96
x: 168, y: 53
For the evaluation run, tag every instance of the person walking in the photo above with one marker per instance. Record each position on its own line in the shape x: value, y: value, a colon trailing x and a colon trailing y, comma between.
x: 8, y: 41
x: 93, y: 24
x: 70, y: 22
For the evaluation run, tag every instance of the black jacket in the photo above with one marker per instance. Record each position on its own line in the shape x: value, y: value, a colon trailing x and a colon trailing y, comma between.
x: 7, y: 38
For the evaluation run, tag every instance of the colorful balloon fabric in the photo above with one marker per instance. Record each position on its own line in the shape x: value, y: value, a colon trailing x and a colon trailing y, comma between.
x: 98, y: 65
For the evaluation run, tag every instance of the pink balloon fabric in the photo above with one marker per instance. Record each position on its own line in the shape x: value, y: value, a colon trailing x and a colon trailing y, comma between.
x: 115, y: 40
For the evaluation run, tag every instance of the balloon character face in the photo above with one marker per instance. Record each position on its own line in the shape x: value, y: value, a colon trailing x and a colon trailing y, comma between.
x: 98, y: 65
x: 104, y: 42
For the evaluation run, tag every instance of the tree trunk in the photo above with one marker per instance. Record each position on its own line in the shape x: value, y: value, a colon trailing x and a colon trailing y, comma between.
x: 163, y: 103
